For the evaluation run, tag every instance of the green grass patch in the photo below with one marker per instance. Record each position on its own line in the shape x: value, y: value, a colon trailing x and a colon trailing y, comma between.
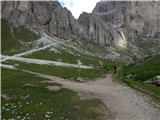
x: 51, y: 55
x: 9, y: 44
x: 70, y: 58
x: 67, y: 72
x: 147, y: 45
x: 62, y: 104
x: 11, y: 41
x: 144, y: 42
x: 89, y: 45
x: 144, y: 70
x: 141, y: 72
x: 25, y: 34
x: 122, y: 50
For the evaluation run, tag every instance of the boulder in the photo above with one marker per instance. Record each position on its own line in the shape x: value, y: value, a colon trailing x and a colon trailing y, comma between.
x: 156, y: 81
x: 54, y: 88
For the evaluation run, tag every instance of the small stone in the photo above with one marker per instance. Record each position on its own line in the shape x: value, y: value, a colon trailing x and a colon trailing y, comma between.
x: 28, y: 85
x: 48, y: 112
x: 40, y: 103
x: 47, y: 116
x: 16, y: 65
x: 7, y: 109
x: 53, y: 88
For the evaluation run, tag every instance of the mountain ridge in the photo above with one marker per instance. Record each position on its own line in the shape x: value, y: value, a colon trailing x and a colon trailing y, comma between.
x: 106, y: 25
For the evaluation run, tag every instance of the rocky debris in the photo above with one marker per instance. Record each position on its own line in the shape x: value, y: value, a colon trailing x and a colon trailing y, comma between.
x: 48, y: 115
x: 79, y: 79
x: 130, y: 75
x: 156, y: 81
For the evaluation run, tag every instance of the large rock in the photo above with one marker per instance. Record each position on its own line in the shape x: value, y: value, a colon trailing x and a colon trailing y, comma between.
x: 156, y: 80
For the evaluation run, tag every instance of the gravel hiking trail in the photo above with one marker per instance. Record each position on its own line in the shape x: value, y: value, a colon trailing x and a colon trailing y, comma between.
x: 124, y: 102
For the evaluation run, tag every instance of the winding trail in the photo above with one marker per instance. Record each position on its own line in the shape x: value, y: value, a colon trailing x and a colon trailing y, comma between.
x: 45, y: 62
x: 123, y: 102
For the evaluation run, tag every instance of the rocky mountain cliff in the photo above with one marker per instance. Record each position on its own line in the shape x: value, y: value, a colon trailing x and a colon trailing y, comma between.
x: 103, y: 32
x: 110, y: 23
x: 135, y: 18
x: 47, y: 16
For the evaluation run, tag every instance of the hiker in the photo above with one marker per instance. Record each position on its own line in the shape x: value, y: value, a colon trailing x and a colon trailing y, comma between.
x: 115, y: 69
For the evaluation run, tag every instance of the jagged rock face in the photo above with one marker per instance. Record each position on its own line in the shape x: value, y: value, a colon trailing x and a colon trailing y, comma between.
x: 135, y: 18
x: 49, y: 17
x: 103, y: 33
x: 110, y: 23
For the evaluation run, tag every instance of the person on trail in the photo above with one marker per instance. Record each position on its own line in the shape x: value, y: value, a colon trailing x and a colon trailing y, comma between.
x: 115, y: 69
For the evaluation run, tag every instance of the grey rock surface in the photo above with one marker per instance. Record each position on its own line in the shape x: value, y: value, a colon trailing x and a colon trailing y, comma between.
x: 110, y: 23
x: 134, y: 17
x: 102, y: 32
x: 47, y: 16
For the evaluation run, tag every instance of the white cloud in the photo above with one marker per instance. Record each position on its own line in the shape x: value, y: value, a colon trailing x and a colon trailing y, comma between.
x: 79, y: 6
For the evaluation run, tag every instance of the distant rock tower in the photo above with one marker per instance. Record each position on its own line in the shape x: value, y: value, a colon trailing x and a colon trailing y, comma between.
x: 158, y: 28
x: 158, y: 24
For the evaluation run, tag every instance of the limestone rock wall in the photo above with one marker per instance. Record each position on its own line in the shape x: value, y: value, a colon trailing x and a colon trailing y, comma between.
x: 110, y: 23
x: 134, y: 17
x: 47, y: 16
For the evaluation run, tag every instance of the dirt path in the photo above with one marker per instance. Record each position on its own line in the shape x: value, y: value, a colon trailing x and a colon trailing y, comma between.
x: 44, y: 62
x: 124, y: 102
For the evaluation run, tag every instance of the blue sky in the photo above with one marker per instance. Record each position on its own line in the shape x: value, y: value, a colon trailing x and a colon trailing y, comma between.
x: 79, y: 6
